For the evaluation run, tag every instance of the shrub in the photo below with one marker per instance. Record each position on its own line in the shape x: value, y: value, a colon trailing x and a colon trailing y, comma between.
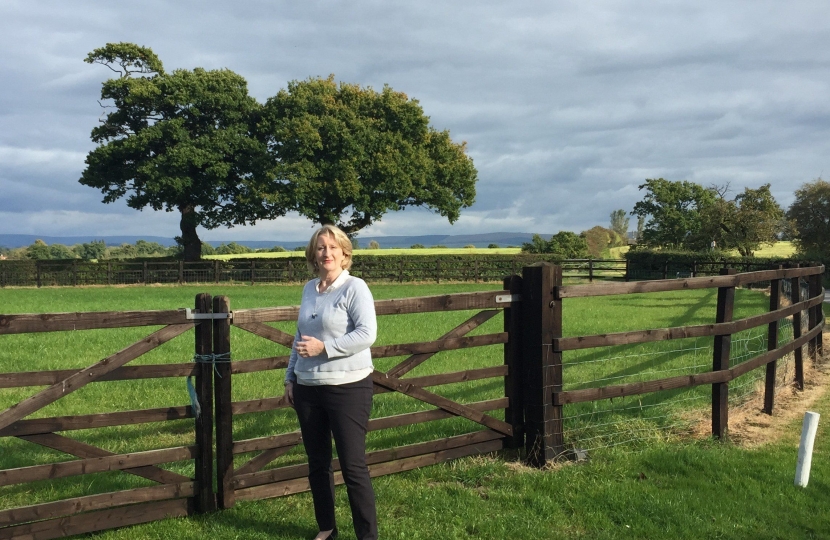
x: 417, y: 246
x: 374, y: 244
x: 493, y: 246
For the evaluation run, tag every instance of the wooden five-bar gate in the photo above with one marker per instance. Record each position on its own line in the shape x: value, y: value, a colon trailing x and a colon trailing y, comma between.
x: 218, y: 468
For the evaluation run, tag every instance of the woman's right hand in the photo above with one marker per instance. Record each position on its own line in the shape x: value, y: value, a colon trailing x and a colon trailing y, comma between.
x: 289, y: 393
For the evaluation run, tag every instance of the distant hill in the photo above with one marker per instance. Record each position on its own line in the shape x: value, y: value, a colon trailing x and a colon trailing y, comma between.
x: 503, y: 239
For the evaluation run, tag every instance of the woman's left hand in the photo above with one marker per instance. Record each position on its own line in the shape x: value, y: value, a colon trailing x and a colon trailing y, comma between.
x: 309, y: 346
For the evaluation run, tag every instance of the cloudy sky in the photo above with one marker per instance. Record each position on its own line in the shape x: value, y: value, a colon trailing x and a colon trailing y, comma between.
x: 566, y: 106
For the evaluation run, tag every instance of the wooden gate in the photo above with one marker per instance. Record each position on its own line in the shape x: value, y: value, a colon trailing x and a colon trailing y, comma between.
x: 247, y: 479
x: 174, y: 494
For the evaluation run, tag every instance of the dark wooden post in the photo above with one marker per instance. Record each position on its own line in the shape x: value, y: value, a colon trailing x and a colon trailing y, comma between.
x: 74, y: 273
x: 666, y: 269
x: 541, y: 323
x: 181, y: 272
x: 290, y: 270
x: 253, y: 272
x: 720, y: 360
x: 475, y: 270
x: 37, y: 272
x: 513, y: 381
x: 694, y: 268
x: 400, y: 272
x: 772, y: 344
x: 437, y: 270
x: 795, y: 297
x: 590, y: 270
x: 216, y: 270
x: 224, y: 412
x: 109, y: 273
x: 815, y: 317
x: 205, y: 499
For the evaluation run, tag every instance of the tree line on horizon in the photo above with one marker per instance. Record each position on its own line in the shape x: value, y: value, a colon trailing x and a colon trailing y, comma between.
x: 685, y: 216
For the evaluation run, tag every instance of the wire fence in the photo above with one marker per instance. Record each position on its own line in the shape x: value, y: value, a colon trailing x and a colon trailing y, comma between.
x: 634, y: 422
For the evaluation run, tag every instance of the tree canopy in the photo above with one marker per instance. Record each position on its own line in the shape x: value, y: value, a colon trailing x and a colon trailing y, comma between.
x: 684, y: 215
x: 752, y: 219
x: 195, y: 142
x: 565, y: 244
x: 619, y: 223
x: 809, y: 217
x: 672, y: 210
x: 347, y: 154
x: 180, y: 142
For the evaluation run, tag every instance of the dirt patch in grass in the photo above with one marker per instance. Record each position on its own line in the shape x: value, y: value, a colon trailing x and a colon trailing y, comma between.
x: 750, y: 427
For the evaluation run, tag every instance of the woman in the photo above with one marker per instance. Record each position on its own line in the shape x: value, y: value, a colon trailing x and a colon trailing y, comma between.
x: 329, y: 383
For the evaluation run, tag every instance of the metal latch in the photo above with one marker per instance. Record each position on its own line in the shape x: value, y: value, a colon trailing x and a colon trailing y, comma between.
x: 508, y: 298
x: 190, y: 315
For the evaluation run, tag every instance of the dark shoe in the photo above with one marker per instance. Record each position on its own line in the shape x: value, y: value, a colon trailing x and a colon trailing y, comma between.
x: 332, y: 535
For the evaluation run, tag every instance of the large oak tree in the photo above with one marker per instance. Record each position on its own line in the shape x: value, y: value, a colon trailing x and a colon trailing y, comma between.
x: 349, y: 154
x: 180, y: 141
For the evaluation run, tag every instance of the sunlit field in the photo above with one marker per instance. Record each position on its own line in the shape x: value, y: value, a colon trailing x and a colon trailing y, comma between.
x: 646, y: 476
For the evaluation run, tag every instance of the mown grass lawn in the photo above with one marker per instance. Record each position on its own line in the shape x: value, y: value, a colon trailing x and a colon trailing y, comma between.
x: 683, y: 489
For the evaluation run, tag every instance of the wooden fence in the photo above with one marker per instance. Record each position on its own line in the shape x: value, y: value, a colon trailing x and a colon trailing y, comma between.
x: 373, y: 269
x: 488, y: 425
x: 551, y: 441
x: 527, y: 410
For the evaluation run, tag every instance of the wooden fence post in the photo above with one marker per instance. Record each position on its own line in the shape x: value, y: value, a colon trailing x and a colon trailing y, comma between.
x: 816, y: 316
x: 795, y: 297
x: 224, y: 405
x: 720, y: 359
x: 205, y: 499
x: 75, y: 273
x: 437, y: 270
x: 772, y: 344
x: 290, y: 270
x: 666, y: 269
x: 253, y: 272
x: 513, y: 382
x: 216, y: 270
x: 627, y: 270
x: 694, y: 268
x: 590, y: 270
x: 181, y: 272
x: 37, y: 272
x: 541, y: 323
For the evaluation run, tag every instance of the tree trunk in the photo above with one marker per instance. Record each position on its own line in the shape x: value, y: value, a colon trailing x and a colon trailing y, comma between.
x: 190, y: 239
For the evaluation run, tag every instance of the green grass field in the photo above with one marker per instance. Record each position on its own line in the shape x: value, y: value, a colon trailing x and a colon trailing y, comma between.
x: 671, y: 486
x: 779, y: 249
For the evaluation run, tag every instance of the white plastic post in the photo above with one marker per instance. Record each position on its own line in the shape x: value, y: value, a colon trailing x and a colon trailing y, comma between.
x: 805, y: 449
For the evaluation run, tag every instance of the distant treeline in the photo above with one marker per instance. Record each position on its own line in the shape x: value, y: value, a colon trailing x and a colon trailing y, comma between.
x: 142, y: 249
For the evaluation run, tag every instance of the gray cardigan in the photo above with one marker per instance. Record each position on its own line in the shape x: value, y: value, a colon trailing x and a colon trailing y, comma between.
x: 343, y: 318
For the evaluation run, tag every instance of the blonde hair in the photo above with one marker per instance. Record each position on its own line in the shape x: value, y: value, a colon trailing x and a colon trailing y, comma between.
x: 339, y: 236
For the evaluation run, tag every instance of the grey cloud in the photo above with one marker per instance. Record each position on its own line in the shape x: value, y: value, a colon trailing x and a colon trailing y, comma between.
x: 566, y: 107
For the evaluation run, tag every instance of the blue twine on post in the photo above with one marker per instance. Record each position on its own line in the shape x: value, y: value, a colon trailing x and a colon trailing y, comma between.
x: 191, y: 390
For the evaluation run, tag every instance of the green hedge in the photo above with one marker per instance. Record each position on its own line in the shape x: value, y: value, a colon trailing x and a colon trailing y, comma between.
x: 657, y: 264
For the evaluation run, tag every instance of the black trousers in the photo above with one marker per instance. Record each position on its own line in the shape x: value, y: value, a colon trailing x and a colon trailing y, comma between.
x: 342, y: 411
